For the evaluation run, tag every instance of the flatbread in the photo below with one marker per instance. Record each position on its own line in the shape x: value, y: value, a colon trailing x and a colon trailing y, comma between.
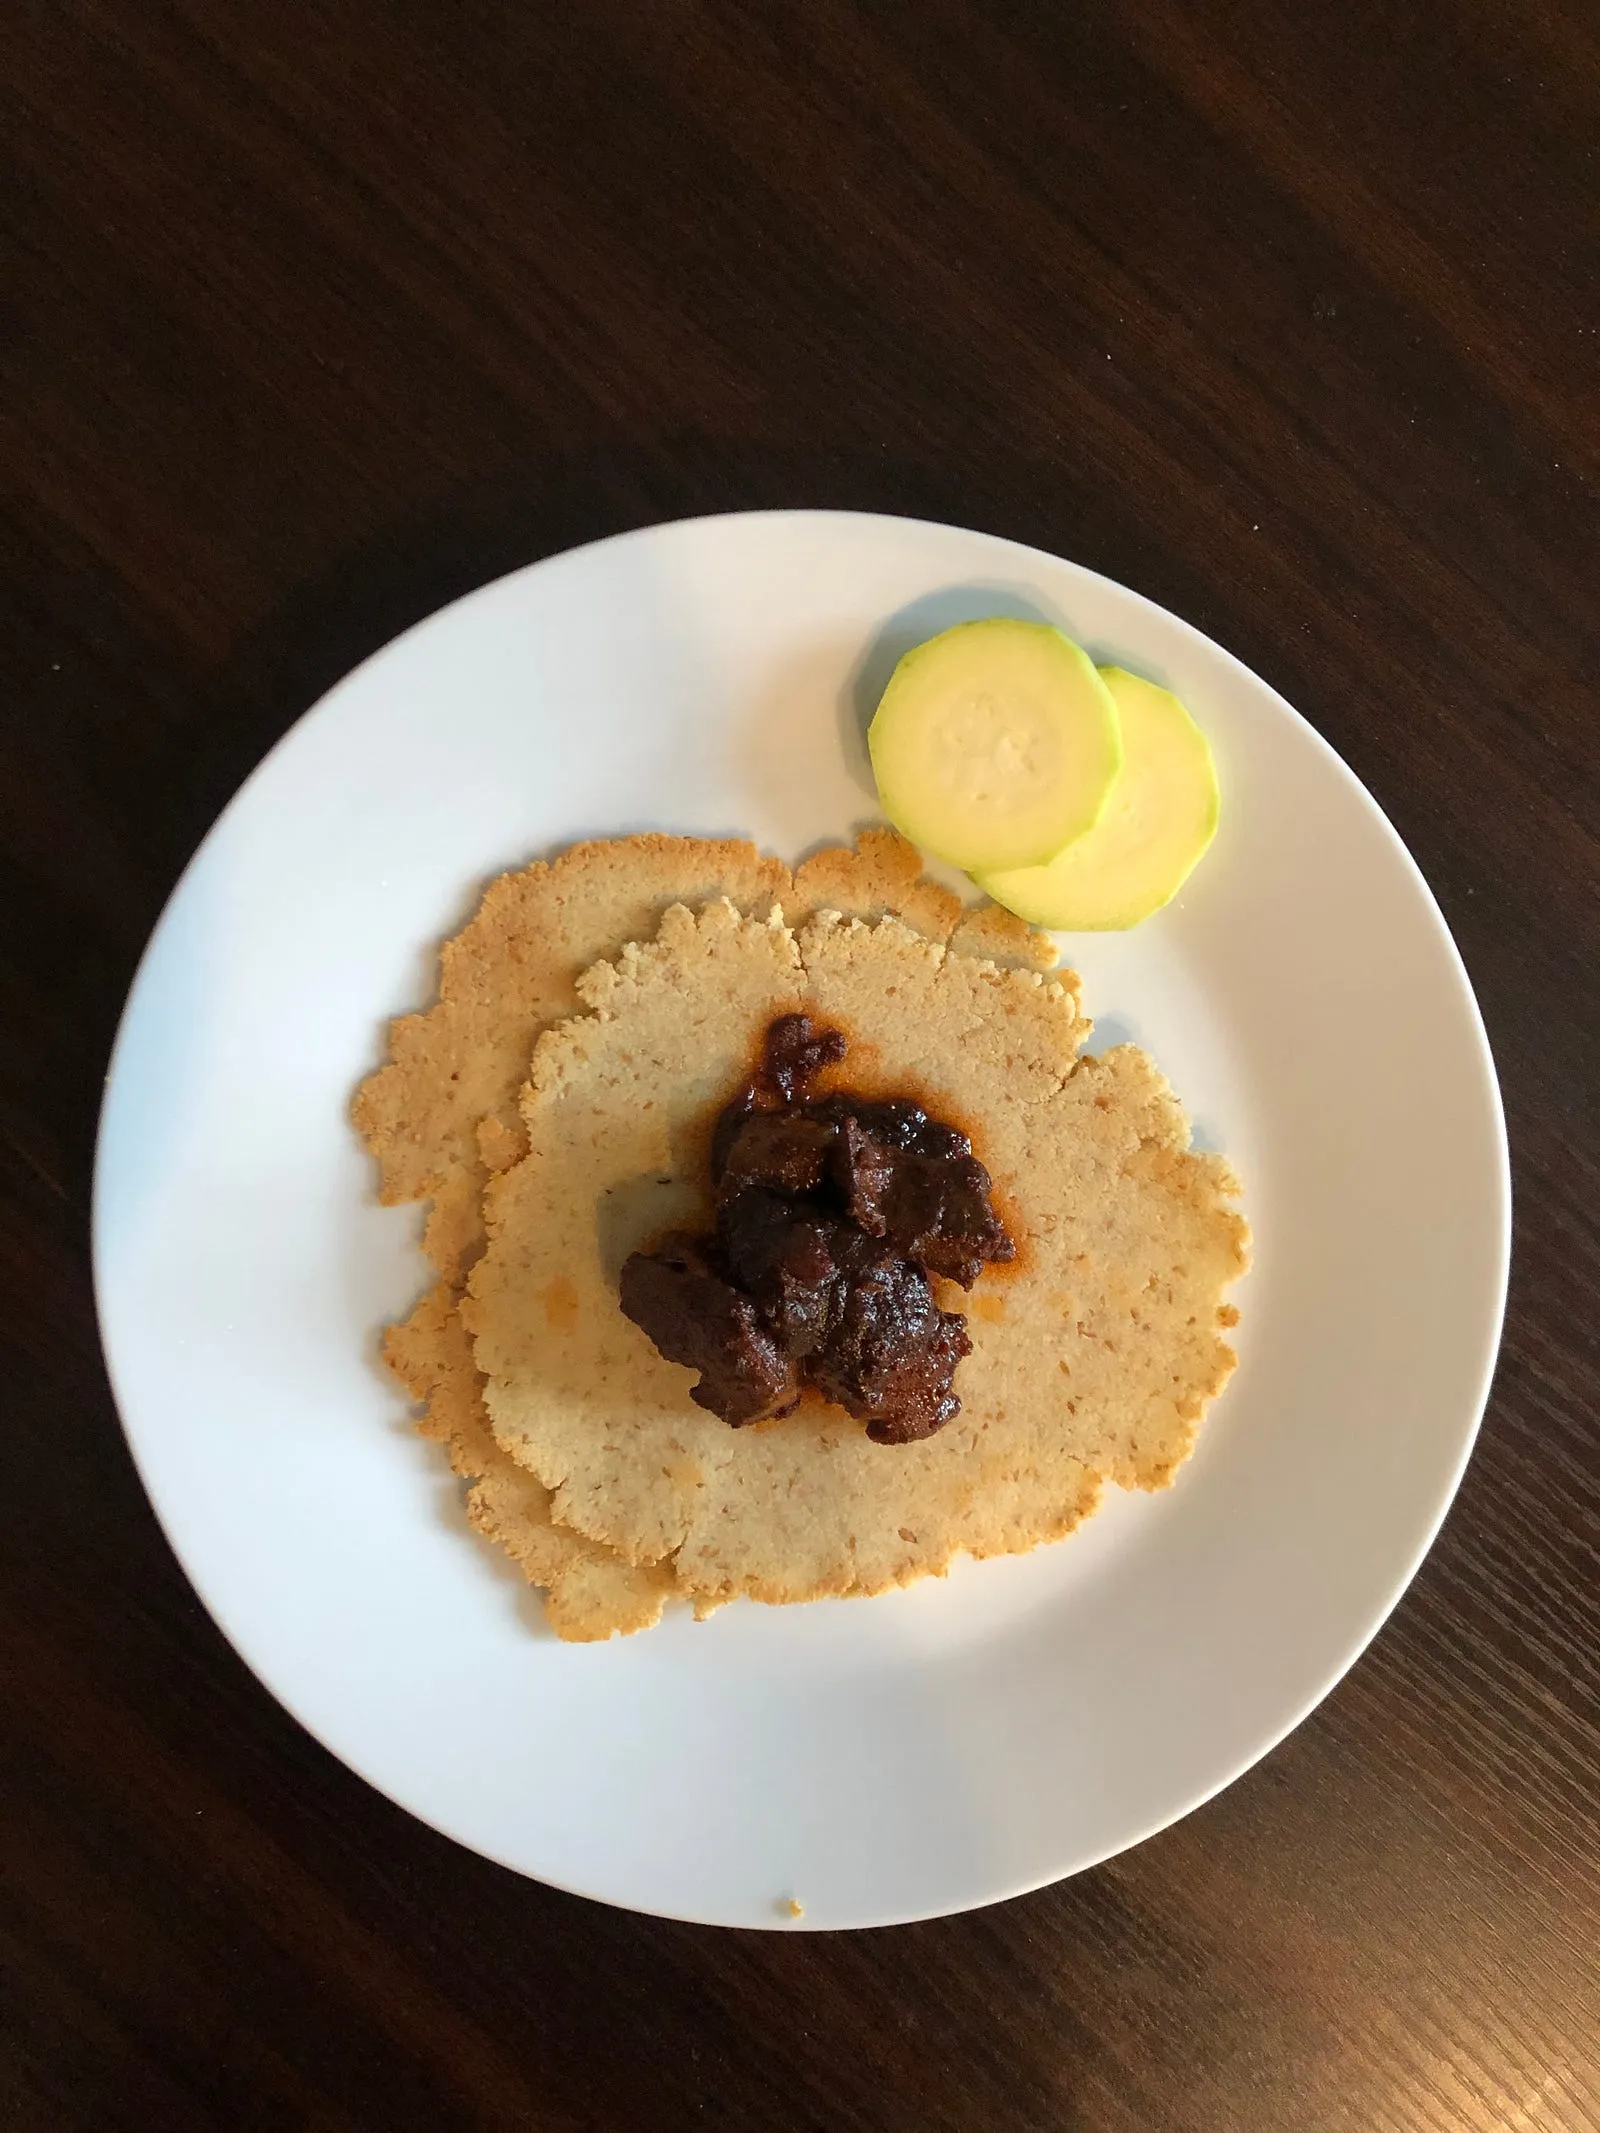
x: 1093, y: 1356
x: 441, y: 1116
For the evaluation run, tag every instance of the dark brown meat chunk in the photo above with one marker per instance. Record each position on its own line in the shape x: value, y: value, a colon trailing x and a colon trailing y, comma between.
x: 832, y: 1212
x: 677, y: 1296
x: 906, y: 1177
x: 782, y: 1256
x: 786, y: 1151
x: 897, y: 1123
x: 891, y: 1353
x: 795, y: 1053
x: 731, y: 1122
x: 939, y: 1214
x: 863, y: 1168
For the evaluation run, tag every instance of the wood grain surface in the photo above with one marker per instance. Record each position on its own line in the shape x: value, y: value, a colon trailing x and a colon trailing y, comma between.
x: 314, y: 316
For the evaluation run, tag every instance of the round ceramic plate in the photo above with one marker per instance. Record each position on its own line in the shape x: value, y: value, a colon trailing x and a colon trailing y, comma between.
x: 874, y: 1760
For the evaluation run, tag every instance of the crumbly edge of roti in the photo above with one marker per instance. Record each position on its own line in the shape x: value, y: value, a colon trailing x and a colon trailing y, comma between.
x: 440, y: 1117
x: 590, y: 1593
x: 1093, y: 1359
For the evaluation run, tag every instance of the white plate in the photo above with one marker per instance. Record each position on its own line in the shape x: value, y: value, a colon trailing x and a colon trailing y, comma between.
x: 879, y: 1760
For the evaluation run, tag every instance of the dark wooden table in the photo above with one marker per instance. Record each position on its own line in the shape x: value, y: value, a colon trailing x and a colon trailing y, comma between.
x: 317, y: 316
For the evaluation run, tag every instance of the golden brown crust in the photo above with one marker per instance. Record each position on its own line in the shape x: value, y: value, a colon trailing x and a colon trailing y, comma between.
x: 996, y: 935
x: 881, y: 877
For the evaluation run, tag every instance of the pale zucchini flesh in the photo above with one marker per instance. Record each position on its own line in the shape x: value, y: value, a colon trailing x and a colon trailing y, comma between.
x: 995, y: 744
x: 1160, y: 817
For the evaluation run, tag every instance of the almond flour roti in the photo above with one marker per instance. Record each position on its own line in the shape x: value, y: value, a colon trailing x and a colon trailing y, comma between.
x: 441, y: 1117
x: 1092, y: 1358
x: 588, y: 1464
